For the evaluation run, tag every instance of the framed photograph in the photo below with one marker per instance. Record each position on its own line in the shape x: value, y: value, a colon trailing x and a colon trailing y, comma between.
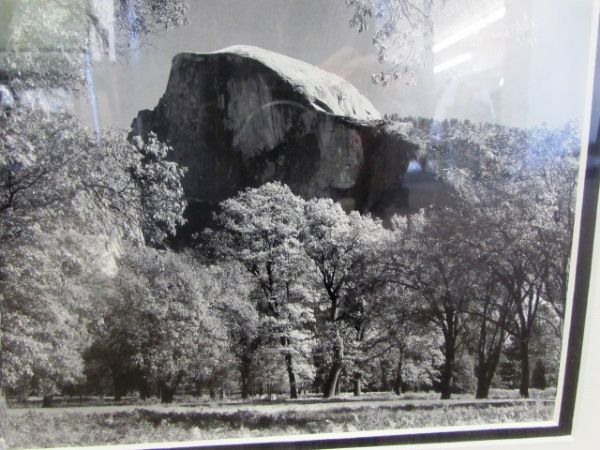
x: 299, y: 224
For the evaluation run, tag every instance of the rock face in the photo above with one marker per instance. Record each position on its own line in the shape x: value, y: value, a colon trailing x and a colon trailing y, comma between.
x: 244, y: 116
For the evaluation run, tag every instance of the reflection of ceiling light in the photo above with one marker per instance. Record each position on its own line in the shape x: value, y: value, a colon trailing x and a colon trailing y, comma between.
x: 492, y: 17
x: 452, y: 62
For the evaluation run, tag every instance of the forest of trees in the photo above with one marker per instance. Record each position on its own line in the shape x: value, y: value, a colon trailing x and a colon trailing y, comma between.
x: 283, y: 295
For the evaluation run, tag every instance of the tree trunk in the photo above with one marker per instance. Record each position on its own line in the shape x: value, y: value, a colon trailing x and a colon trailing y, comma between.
x: 398, y: 381
x: 538, y: 376
x: 524, y: 356
x: 383, y: 365
x: 144, y: 389
x: 447, y: 370
x: 357, y: 384
x: 3, y: 405
x: 450, y: 330
x: 117, y: 389
x: 167, y: 393
x: 486, y: 369
x: 446, y: 382
x: 483, y: 385
x: 198, y: 388
x: 291, y: 375
x: 482, y: 369
x: 331, y: 385
x: 332, y: 380
x: 3, y: 408
x: 47, y: 401
x: 244, y: 389
x: 120, y: 386
x: 398, y: 384
x: 245, y: 367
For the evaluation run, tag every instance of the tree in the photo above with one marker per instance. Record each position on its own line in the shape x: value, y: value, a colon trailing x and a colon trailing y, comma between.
x: 231, y: 292
x: 554, y: 154
x: 260, y: 228
x: 49, y: 284
x: 379, y: 312
x: 490, y: 314
x: 417, y: 360
x: 403, y: 37
x: 157, y: 326
x: 341, y: 247
x: 517, y: 188
x: 404, y: 32
x: 34, y: 168
x: 431, y: 258
x: 488, y: 309
x: 538, y: 377
x: 412, y: 346
x: 511, y: 197
x: 52, y: 166
x: 517, y: 202
x: 56, y: 180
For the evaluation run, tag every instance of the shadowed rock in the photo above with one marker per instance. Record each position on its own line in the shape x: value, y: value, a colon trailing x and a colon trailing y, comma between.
x: 244, y: 116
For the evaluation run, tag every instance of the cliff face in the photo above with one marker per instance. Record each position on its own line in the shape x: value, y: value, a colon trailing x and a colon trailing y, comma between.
x: 244, y: 116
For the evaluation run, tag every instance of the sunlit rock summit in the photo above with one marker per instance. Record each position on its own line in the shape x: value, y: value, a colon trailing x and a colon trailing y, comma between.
x: 244, y: 116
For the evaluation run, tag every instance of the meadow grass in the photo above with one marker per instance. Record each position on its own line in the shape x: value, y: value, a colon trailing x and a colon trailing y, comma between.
x: 37, y: 428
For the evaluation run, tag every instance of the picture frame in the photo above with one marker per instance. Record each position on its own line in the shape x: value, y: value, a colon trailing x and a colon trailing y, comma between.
x: 578, y: 394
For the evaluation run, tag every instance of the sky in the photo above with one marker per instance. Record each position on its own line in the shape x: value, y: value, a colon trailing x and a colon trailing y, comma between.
x: 529, y: 67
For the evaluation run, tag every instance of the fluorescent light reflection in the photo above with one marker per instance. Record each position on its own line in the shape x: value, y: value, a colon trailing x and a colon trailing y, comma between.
x: 471, y: 29
x: 452, y: 62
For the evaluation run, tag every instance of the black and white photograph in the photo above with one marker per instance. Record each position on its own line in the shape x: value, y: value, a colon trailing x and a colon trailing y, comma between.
x: 294, y: 224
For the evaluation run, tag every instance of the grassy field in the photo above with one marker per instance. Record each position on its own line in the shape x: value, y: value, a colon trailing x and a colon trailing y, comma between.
x: 98, y: 425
